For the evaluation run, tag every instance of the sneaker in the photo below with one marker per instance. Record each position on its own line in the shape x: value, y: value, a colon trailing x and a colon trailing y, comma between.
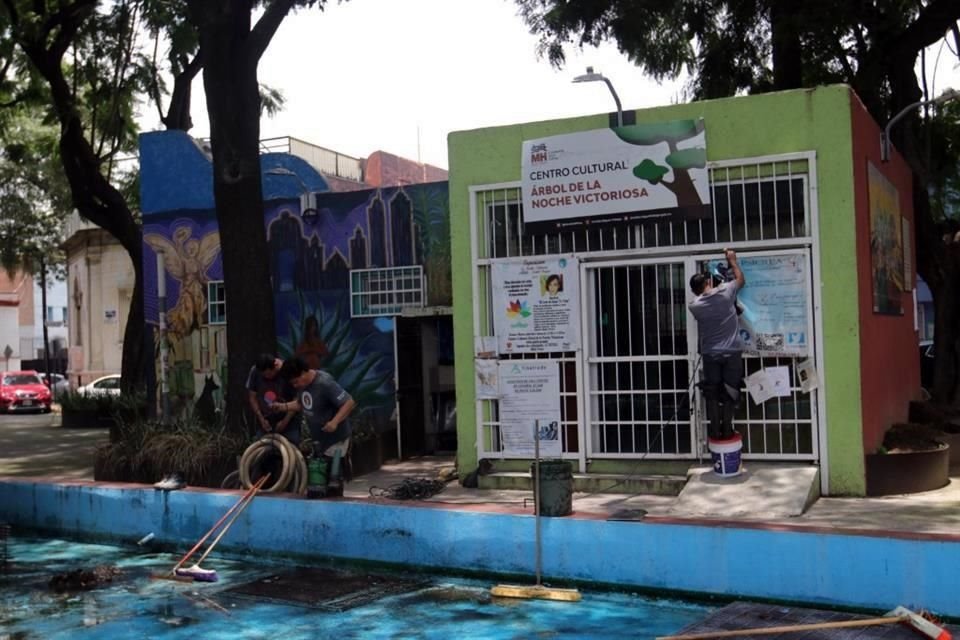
x: 163, y: 483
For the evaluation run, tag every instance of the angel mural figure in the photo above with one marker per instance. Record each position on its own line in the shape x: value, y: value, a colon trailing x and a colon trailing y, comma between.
x: 187, y: 260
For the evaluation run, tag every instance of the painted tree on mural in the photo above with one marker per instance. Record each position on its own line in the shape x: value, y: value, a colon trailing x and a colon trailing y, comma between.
x: 679, y: 160
x: 733, y: 46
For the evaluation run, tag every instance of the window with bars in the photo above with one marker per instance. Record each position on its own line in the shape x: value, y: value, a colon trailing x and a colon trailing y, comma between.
x: 216, y: 303
x: 385, y: 292
x: 751, y: 202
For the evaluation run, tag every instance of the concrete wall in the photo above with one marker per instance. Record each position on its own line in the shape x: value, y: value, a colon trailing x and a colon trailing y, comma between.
x: 815, y: 567
x: 890, y: 368
x: 101, y: 270
x: 745, y: 127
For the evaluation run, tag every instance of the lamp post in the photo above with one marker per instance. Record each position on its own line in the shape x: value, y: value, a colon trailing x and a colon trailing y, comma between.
x: 307, y: 212
x: 592, y: 76
x: 946, y: 96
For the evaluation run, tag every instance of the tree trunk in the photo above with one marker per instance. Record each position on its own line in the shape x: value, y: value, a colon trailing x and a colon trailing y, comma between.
x: 787, y: 52
x: 233, y: 106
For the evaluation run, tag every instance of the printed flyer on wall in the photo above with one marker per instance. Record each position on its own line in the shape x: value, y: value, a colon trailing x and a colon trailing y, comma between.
x: 530, y: 398
x: 775, y: 305
x: 536, y: 304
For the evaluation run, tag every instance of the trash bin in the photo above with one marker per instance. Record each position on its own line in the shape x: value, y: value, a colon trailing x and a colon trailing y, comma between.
x: 556, y: 487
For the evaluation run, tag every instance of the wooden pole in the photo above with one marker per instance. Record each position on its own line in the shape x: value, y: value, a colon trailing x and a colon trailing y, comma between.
x: 866, y: 622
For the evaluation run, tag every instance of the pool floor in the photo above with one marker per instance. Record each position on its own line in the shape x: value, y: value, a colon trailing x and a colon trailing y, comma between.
x: 135, y: 605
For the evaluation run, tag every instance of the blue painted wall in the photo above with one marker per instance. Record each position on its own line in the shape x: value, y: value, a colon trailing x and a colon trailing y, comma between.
x: 815, y: 568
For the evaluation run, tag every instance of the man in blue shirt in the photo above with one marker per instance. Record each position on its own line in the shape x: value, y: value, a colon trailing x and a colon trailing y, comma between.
x: 715, y: 309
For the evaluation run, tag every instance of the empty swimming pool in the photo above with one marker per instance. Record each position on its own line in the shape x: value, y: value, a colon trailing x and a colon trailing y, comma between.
x: 266, y: 600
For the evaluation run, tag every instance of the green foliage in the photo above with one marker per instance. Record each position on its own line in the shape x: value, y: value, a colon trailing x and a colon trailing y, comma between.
x: 104, y: 404
x: 650, y: 171
x: 146, y: 450
x: 431, y: 207
x: 356, y: 370
x: 688, y: 158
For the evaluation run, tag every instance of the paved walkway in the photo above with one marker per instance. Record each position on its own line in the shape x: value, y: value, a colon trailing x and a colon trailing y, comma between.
x: 36, y: 446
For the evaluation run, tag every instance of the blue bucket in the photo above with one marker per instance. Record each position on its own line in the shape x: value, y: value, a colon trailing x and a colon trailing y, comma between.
x: 726, y: 455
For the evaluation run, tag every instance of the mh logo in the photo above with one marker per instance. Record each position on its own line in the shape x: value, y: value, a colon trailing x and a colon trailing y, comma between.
x: 538, y: 153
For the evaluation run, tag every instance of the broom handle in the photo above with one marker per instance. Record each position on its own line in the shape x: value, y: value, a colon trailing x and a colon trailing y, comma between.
x: 218, y: 523
x: 536, y: 495
x: 867, y: 622
x: 229, y: 524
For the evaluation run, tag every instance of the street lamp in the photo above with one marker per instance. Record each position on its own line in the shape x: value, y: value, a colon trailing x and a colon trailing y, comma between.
x: 946, y: 96
x: 308, y: 203
x: 591, y: 76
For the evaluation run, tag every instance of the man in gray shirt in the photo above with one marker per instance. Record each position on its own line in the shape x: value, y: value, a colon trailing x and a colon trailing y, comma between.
x: 325, y: 405
x: 715, y: 309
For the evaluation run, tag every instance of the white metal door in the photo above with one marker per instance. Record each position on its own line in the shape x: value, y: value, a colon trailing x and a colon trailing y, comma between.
x: 637, y: 358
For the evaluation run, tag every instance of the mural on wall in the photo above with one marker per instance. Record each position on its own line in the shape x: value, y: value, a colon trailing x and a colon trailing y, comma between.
x: 196, y: 334
x: 311, y: 259
x: 886, y: 244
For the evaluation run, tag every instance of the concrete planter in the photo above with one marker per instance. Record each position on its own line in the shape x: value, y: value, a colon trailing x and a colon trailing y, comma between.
x: 909, y: 472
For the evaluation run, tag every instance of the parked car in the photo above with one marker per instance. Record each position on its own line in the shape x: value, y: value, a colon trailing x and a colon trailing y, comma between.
x: 58, y: 384
x: 23, y: 391
x: 926, y: 364
x: 106, y: 385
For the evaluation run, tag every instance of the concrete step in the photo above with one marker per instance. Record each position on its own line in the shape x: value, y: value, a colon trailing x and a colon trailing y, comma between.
x: 659, y: 485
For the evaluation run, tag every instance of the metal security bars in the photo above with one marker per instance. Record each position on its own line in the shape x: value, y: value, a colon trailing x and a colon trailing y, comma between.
x: 385, y: 292
x: 627, y: 394
x: 638, y: 360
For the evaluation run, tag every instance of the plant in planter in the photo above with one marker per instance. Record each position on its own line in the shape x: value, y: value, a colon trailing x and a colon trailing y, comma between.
x: 146, y: 450
x: 912, y: 458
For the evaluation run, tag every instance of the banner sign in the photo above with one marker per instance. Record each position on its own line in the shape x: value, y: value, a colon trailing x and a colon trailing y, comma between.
x: 536, y: 304
x: 530, y: 397
x: 775, y: 305
x: 621, y: 175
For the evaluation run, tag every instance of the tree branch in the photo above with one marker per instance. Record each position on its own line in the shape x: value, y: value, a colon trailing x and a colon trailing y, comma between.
x: 267, y: 26
x: 931, y: 24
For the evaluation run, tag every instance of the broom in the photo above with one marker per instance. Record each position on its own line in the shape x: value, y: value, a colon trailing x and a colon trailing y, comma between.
x: 198, y: 573
x: 899, y: 615
x: 538, y: 590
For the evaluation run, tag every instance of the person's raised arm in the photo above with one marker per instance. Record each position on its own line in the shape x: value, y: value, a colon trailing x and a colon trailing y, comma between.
x: 737, y: 273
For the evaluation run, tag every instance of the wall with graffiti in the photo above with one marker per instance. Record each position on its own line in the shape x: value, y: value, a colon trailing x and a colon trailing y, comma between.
x: 311, y: 259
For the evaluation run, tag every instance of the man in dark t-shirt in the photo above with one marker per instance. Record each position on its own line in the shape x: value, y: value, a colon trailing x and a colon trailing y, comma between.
x: 265, y: 387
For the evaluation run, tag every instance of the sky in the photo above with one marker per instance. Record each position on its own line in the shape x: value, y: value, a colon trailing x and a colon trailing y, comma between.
x: 368, y: 75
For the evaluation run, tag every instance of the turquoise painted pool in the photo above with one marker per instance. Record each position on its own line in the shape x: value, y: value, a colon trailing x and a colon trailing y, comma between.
x: 136, y: 606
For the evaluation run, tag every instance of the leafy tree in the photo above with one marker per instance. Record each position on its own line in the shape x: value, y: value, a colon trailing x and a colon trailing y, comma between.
x: 735, y: 46
x: 84, y: 63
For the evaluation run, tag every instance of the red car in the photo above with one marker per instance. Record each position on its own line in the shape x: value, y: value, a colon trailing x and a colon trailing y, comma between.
x: 23, y: 391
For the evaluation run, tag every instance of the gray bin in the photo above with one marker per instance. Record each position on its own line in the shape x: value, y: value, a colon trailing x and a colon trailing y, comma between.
x: 556, y: 487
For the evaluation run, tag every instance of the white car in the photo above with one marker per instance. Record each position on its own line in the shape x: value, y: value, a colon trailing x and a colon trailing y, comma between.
x: 107, y: 385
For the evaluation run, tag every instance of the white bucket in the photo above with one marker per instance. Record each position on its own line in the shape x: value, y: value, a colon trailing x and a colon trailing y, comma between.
x: 726, y: 455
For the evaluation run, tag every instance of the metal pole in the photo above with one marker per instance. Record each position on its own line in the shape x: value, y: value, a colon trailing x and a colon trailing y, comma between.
x: 164, y: 346
x: 46, y: 336
x: 396, y: 386
x: 616, y: 99
x: 536, y: 496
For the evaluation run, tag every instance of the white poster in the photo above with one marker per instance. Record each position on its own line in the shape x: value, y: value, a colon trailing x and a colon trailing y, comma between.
x: 775, y: 305
x: 536, y: 304
x: 530, y: 396
x: 630, y: 174
x: 488, y: 387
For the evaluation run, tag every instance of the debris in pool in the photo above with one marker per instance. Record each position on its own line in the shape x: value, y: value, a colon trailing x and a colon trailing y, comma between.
x: 83, y: 579
x: 145, y: 539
